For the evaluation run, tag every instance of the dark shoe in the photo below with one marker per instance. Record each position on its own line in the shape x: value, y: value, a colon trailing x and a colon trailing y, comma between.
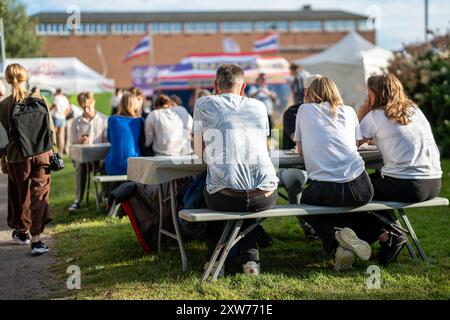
x: 391, y: 248
x: 263, y: 240
x: 309, y: 232
x: 21, y: 237
x: 74, y: 207
x: 38, y: 248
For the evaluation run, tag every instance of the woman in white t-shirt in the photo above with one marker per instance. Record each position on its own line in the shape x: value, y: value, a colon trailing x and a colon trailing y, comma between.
x: 327, y: 133
x: 412, y: 170
x: 168, y: 130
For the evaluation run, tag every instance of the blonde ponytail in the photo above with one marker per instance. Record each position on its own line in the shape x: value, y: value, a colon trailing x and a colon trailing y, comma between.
x: 17, y: 76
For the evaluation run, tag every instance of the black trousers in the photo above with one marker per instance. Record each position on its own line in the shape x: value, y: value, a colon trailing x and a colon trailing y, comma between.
x: 222, y: 202
x: 357, y: 192
x: 401, y: 190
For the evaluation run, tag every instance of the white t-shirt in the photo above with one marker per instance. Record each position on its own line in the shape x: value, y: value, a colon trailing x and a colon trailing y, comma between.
x: 62, y: 104
x: 170, y: 131
x: 235, y: 131
x: 96, y: 129
x: 329, y: 143
x: 409, y: 151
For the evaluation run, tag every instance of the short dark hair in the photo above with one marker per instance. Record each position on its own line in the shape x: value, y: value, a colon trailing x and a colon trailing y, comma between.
x: 58, y: 91
x: 295, y: 67
x: 228, y: 75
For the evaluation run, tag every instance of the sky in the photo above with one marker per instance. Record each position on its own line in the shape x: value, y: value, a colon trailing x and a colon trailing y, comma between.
x: 399, y: 21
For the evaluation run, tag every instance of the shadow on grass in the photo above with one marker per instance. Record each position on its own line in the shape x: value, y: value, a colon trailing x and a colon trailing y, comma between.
x: 109, y: 256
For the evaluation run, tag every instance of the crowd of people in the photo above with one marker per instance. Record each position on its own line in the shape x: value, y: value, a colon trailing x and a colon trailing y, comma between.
x: 322, y: 129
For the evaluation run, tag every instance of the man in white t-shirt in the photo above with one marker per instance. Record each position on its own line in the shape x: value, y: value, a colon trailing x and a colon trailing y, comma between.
x: 241, y: 176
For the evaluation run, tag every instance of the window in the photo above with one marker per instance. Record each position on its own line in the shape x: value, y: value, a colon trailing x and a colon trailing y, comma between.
x: 340, y: 25
x: 365, y: 24
x: 264, y: 26
x: 42, y: 28
x: 237, y: 26
x: 306, y: 25
x: 202, y: 27
x: 167, y: 27
x: 129, y: 28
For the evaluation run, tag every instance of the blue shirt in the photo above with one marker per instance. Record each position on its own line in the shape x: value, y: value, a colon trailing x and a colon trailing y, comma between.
x: 124, y: 135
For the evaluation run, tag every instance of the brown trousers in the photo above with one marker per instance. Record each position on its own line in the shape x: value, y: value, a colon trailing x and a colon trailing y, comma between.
x: 29, y: 193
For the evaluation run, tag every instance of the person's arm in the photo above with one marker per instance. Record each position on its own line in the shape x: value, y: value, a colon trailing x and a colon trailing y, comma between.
x: 149, y: 133
x: 74, y: 139
x: 253, y: 92
x: 197, y: 128
x: 298, y: 134
x: 363, y: 111
x: 299, y: 148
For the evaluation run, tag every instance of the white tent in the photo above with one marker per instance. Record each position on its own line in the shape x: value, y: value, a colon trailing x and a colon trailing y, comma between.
x: 69, y: 74
x: 349, y: 63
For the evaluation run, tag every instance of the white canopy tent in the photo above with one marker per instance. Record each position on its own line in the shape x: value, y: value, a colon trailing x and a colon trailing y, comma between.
x: 349, y: 63
x: 69, y: 74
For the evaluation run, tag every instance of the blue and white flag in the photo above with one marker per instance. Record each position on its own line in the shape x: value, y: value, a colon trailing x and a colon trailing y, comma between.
x: 143, y: 47
x: 267, y: 44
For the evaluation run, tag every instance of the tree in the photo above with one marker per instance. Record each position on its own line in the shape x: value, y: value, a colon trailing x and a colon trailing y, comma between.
x: 21, y: 40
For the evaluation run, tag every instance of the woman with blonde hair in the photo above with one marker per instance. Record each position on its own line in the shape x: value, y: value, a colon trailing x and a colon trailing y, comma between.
x: 412, y: 170
x: 125, y: 131
x: 327, y: 133
x: 28, y: 177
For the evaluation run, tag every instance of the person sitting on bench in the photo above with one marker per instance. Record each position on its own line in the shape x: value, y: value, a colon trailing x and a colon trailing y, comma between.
x: 240, y: 175
x: 327, y: 133
x: 89, y: 128
x: 412, y: 170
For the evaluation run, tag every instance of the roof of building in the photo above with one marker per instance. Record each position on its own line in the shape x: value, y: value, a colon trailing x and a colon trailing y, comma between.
x: 185, y: 16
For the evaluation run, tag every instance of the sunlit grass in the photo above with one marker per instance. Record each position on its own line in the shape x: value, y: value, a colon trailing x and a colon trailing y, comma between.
x: 114, y: 267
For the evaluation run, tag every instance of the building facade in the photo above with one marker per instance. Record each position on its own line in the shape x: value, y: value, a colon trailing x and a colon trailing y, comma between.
x: 101, y: 40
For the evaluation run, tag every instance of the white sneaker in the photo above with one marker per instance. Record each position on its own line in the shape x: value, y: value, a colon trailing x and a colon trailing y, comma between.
x: 221, y: 272
x: 348, y: 239
x: 252, y: 268
x: 343, y: 259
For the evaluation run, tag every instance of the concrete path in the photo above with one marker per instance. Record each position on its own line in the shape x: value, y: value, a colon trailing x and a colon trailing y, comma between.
x: 21, y: 275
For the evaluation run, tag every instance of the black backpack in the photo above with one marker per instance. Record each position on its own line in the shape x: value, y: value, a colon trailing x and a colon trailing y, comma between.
x: 30, y: 126
x: 4, y: 141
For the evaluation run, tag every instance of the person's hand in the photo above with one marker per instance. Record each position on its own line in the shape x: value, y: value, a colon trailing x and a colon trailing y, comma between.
x: 4, y: 166
x: 85, y: 139
x: 364, y: 110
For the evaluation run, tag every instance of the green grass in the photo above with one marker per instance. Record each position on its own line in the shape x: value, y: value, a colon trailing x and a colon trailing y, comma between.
x: 114, y: 267
x: 102, y: 102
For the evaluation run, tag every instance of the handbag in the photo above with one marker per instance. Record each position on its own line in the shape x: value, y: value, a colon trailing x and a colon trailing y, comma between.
x: 56, y: 162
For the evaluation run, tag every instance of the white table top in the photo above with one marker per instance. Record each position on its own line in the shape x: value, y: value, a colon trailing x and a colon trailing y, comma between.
x: 160, y: 169
x: 84, y: 153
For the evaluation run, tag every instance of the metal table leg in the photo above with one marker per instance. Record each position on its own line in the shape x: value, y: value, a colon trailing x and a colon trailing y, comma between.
x: 161, y: 216
x: 88, y: 183
x: 413, y: 234
x: 176, y: 226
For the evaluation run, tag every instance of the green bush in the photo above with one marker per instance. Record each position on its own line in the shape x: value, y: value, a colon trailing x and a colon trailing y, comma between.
x: 425, y: 74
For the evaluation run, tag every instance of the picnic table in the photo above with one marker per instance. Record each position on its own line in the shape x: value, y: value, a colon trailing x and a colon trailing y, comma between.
x: 89, y: 154
x: 166, y: 169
